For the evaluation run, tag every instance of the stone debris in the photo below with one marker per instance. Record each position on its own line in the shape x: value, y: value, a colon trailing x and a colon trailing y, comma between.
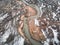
x: 29, y: 22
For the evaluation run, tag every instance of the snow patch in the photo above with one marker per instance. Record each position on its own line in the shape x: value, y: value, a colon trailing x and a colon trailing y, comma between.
x: 53, y: 14
x: 1, y: 18
x: 36, y: 22
x: 44, y: 33
x: 47, y: 42
x: 58, y: 2
x: 5, y: 36
x: 55, y: 34
x: 41, y: 9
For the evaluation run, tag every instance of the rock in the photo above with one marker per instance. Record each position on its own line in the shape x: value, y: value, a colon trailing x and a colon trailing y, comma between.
x: 30, y: 11
x: 35, y: 31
